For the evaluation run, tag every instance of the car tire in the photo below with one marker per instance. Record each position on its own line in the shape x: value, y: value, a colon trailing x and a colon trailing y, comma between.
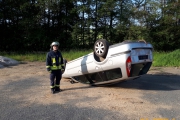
x: 101, y: 48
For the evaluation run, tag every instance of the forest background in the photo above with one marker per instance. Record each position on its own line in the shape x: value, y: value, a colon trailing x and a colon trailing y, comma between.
x: 31, y: 25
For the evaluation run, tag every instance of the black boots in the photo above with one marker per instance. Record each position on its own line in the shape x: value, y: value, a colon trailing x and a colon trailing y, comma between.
x: 52, y: 90
x: 56, y: 89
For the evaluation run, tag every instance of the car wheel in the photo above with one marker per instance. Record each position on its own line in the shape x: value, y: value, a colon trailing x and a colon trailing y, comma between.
x: 101, y: 48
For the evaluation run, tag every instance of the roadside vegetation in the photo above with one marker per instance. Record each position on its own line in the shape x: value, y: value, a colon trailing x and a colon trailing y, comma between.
x: 161, y: 59
x: 167, y: 59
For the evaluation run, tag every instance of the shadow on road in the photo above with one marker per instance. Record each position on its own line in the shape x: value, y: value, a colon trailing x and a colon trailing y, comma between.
x: 79, y: 87
x: 161, y: 81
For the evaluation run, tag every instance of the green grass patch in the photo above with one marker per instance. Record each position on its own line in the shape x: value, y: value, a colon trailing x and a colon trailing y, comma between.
x: 33, y: 56
x: 161, y: 59
x: 41, y: 56
x: 167, y: 59
x: 73, y: 54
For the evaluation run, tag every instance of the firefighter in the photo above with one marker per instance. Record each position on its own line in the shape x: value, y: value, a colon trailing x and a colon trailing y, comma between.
x: 55, y: 66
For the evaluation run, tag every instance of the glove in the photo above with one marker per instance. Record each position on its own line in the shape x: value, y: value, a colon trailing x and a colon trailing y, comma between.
x: 49, y: 70
x: 62, y: 71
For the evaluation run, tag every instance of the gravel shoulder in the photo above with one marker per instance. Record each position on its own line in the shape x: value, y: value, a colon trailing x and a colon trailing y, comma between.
x: 25, y: 94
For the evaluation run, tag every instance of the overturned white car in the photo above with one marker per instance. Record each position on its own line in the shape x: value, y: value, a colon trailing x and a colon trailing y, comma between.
x: 109, y: 64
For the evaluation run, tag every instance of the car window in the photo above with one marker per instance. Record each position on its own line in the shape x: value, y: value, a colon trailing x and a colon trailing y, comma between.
x: 89, y: 78
x: 100, y: 76
x: 113, y: 74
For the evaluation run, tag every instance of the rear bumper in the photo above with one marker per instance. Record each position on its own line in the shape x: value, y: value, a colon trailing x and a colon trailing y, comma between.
x: 140, y: 69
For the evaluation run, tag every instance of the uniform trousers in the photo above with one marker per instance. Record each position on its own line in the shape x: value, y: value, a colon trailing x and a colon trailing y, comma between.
x: 55, y: 78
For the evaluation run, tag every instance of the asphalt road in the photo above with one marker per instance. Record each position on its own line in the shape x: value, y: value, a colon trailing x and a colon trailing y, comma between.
x: 25, y: 95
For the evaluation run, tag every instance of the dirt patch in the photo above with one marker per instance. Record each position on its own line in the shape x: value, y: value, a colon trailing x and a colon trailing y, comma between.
x: 29, y: 83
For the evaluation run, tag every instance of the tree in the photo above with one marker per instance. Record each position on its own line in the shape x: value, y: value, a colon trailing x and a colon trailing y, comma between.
x: 165, y: 34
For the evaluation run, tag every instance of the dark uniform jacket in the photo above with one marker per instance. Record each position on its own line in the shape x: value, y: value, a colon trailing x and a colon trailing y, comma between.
x: 54, y: 61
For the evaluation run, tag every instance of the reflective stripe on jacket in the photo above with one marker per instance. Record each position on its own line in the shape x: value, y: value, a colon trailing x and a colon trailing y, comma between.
x: 54, y: 61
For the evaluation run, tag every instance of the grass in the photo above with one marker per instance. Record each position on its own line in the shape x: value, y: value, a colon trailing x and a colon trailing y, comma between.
x: 41, y: 56
x: 161, y: 59
x: 167, y: 59
x: 73, y: 54
x: 28, y: 56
